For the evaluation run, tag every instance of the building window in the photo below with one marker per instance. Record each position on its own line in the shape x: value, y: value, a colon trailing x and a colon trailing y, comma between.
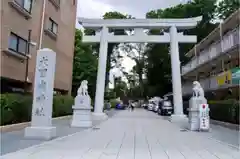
x: 17, y: 44
x: 25, y: 4
x: 53, y: 26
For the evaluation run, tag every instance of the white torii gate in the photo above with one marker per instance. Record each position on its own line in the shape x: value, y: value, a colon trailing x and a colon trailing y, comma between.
x: 174, y: 38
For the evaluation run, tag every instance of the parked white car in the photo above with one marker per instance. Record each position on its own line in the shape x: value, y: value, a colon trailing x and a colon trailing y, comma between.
x: 155, y: 107
x: 153, y: 104
x: 150, y: 106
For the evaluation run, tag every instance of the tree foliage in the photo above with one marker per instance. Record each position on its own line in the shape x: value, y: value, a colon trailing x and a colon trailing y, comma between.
x: 227, y: 7
x: 84, y: 65
x: 113, y: 56
x: 120, y: 87
x: 137, y: 52
x: 154, y: 59
x: 159, y: 62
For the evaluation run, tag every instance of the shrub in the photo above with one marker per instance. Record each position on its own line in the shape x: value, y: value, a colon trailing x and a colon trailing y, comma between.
x: 222, y: 110
x: 62, y: 105
x: 225, y: 110
x: 16, y: 108
x: 6, y: 111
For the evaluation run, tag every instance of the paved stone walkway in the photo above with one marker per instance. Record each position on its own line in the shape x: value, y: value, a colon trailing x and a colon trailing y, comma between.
x: 131, y: 135
x: 14, y: 140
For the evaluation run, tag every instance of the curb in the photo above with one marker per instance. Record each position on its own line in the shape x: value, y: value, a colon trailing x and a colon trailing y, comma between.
x: 224, y: 143
x: 226, y: 125
x: 19, y: 126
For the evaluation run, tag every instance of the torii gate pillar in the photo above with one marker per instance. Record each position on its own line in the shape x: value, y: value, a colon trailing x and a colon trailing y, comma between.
x: 176, y: 76
x: 100, y: 87
x: 174, y: 38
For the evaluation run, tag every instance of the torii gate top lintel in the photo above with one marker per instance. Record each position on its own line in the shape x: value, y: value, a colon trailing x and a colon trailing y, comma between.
x: 185, y: 23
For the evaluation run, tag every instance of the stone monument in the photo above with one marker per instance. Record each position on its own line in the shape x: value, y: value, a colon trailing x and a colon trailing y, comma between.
x: 41, y: 124
x: 82, y: 116
x: 194, y: 103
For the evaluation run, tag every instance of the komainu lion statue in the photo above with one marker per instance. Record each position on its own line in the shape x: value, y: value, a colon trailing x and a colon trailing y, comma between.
x: 83, y: 89
x: 197, y: 89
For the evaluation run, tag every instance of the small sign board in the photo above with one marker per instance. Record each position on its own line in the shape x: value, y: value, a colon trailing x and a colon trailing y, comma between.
x: 204, y: 117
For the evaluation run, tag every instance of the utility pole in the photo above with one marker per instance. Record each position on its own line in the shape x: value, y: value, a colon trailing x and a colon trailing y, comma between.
x: 27, y: 61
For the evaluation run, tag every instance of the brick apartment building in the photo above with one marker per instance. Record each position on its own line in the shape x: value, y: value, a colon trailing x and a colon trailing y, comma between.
x: 29, y: 25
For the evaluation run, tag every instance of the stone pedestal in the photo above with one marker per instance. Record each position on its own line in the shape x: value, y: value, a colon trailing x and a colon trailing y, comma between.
x: 194, y: 113
x: 82, y: 112
x: 193, y: 119
x: 41, y: 122
x: 178, y: 118
x: 81, y: 117
x: 99, y: 116
x: 45, y: 133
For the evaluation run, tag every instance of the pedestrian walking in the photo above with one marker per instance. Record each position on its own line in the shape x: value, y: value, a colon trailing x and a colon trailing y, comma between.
x: 108, y: 105
x: 132, y: 106
x: 129, y: 105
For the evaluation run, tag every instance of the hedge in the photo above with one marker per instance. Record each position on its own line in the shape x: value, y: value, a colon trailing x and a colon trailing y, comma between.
x: 17, y: 108
x: 222, y: 110
x: 225, y: 110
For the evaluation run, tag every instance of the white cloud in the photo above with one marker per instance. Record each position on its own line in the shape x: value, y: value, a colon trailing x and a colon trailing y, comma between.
x: 138, y: 8
x: 92, y: 9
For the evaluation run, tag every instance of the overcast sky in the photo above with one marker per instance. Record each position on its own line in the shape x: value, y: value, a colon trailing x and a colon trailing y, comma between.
x: 136, y: 8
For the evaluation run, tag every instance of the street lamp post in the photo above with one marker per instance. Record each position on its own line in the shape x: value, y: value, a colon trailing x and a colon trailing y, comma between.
x: 27, y: 61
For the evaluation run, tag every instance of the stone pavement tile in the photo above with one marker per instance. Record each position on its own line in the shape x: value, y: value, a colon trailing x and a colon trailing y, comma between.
x: 14, y: 141
x: 113, y: 148
x: 163, y: 140
x: 126, y: 150
x: 131, y: 135
x: 156, y: 149
x: 188, y: 143
x: 188, y: 153
x: 52, y: 149
x: 96, y: 147
x: 142, y: 150
x: 223, y: 134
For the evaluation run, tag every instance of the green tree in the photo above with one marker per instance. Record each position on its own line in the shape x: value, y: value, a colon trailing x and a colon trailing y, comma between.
x: 114, y: 56
x: 137, y: 52
x: 158, y: 62
x: 227, y: 7
x: 84, y: 65
x: 120, y: 87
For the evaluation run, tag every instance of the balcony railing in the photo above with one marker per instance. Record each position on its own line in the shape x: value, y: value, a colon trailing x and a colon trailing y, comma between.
x: 209, y: 84
x: 228, y: 41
